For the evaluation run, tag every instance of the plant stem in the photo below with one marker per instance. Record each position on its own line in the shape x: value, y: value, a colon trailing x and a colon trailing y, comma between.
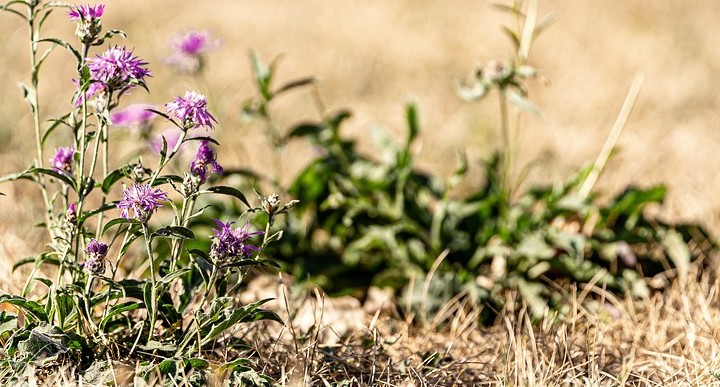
x: 35, y: 102
x: 613, y: 137
x: 507, y: 149
x: 153, y: 290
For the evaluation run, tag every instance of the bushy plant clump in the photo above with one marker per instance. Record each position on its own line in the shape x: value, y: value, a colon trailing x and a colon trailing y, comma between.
x: 128, y: 283
x: 366, y: 220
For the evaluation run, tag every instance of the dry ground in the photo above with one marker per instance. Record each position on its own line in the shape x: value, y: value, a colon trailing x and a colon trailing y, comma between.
x: 374, y: 55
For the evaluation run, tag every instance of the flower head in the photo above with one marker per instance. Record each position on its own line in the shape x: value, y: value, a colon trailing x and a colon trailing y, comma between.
x: 191, y: 110
x: 194, y: 43
x: 89, y: 23
x: 71, y: 214
x: 96, y: 249
x: 95, y: 262
x: 62, y: 161
x: 133, y: 116
x: 142, y: 199
x: 87, y: 12
x: 118, y: 68
x: 205, y: 157
x: 231, y: 243
x: 188, y: 50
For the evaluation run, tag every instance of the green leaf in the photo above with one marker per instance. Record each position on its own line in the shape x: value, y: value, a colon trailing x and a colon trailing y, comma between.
x: 65, y: 45
x: 149, y: 296
x: 28, y: 96
x: 167, y: 367
x: 177, y: 273
x: 103, y: 208
x: 64, y: 305
x: 201, y: 138
x: 45, y: 281
x: 175, y: 232
x: 413, y: 121
x: 118, y: 221
x: 8, y: 322
x: 119, y: 309
x: 39, y: 260
x: 247, y: 313
x: 229, y: 191
x: 251, y: 262
x: 55, y: 123
x: 153, y: 345
x: 112, y: 178
x: 35, y: 310
x: 522, y: 103
x: 295, y: 84
x: 532, y: 293
x: 678, y: 252
x: 165, y: 179
x: 235, y: 364
x: 60, y: 176
x: 196, y: 363
x: 306, y: 129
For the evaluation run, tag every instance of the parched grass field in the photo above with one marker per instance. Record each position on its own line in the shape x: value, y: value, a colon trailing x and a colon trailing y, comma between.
x: 372, y: 57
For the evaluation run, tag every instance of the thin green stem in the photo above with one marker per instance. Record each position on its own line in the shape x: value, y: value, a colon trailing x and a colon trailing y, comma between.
x: 211, y: 283
x: 153, y: 290
x: 507, y: 148
x: 169, y: 157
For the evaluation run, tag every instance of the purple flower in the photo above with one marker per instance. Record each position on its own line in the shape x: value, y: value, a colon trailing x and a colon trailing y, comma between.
x: 172, y: 136
x: 205, y: 157
x: 133, y: 116
x: 95, y: 262
x: 118, y: 68
x: 71, y: 214
x: 142, y: 199
x: 93, y: 89
x: 188, y: 50
x: 96, y: 249
x: 87, y: 12
x: 89, y: 24
x: 232, y: 243
x: 194, y: 43
x: 191, y: 110
x: 62, y: 161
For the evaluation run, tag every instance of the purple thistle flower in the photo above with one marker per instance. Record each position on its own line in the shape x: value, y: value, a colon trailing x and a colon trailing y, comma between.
x: 232, y: 243
x: 95, y: 262
x: 191, y: 110
x: 188, y: 50
x: 87, y: 12
x: 133, y: 116
x: 63, y: 159
x: 93, y: 89
x: 96, y: 249
x: 194, y: 43
x: 204, y: 157
x: 118, y: 68
x: 71, y: 214
x: 142, y: 199
x: 89, y: 24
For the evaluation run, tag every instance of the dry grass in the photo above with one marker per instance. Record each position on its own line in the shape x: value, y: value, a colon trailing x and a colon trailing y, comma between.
x: 371, y: 56
x: 671, y: 339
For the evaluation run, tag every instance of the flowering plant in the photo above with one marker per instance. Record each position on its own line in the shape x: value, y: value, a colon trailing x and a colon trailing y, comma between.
x: 175, y: 301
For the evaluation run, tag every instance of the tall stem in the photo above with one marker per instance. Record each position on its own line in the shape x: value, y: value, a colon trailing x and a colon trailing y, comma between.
x: 35, y: 100
x: 153, y: 291
x: 507, y: 148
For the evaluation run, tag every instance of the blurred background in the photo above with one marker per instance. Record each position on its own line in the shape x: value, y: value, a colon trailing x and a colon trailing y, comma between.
x: 374, y: 56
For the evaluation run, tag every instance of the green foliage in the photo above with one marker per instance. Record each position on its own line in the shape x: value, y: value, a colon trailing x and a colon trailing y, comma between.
x: 365, y: 222
x: 136, y: 289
